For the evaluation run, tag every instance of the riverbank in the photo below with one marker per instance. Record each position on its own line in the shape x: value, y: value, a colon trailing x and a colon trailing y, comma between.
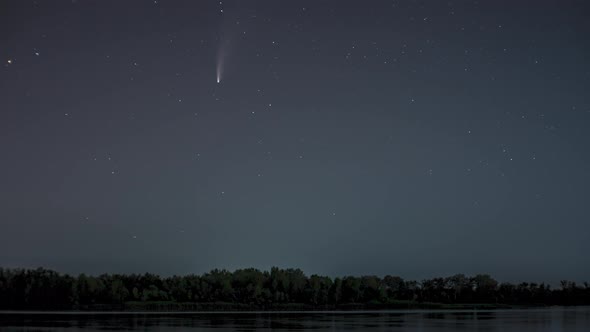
x: 223, y: 306
x: 163, y: 306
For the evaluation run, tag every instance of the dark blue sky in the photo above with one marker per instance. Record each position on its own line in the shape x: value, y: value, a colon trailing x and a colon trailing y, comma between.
x: 416, y: 138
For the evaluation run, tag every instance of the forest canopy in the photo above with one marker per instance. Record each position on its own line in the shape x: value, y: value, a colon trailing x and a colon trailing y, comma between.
x: 277, y: 289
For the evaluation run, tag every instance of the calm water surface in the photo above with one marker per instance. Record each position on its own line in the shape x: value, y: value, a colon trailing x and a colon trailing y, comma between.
x: 553, y: 319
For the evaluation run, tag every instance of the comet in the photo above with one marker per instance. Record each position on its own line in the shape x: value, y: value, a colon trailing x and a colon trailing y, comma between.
x: 222, y: 54
x: 219, y: 70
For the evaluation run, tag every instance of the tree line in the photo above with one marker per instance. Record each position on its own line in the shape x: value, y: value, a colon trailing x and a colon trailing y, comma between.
x: 43, y: 289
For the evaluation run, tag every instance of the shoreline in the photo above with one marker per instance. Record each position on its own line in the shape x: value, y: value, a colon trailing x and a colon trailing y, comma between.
x: 286, y: 312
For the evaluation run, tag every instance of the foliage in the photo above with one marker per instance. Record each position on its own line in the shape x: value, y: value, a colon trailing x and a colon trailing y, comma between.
x: 42, y: 289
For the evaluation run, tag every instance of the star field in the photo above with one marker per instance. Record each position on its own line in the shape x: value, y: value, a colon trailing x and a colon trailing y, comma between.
x: 418, y: 138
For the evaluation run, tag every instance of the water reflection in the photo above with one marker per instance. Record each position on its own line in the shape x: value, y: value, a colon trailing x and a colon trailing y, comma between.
x: 554, y: 319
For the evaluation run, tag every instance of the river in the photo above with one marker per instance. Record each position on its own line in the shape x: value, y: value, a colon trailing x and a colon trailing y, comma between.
x: 521, y: 320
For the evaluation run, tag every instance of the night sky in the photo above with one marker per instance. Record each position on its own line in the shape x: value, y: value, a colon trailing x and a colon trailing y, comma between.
x: 412, y: 138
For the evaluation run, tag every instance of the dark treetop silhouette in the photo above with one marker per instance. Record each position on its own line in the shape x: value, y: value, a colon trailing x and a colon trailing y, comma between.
x: 277, y: 289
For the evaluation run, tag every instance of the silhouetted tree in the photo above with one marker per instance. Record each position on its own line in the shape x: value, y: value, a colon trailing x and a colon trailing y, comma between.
x: 47, y: 290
